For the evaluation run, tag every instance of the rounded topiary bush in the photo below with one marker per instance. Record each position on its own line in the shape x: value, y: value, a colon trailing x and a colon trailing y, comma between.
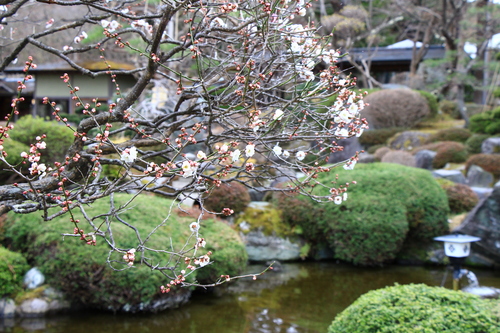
x: 446, y: 152
x: 473, y: 144
x: 231, y: 195
x: 378, y: 136
x: 389, y: 204
x: 13, y: 266
x: 58, y: 139
x: 488, y: 162
x: 395, y: 108
x: 487, y: 122
x: 461, y: 198
x: 13, y: 149
x: 81, y: 271
x: 451, y: 134
x: 380, y: 153
x: 417, y: 308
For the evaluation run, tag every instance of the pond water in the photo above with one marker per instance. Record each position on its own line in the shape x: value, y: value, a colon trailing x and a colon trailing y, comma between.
x: 302, y: 297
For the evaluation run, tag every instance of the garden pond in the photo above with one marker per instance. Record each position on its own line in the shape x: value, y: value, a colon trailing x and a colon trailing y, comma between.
x: 299, y: 297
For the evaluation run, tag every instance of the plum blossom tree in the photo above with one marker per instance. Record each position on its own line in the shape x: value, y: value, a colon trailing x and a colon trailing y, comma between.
x: 247, y: 83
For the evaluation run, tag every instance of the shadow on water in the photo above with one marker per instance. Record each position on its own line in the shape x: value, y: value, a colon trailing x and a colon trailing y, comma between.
x: 303, y: 297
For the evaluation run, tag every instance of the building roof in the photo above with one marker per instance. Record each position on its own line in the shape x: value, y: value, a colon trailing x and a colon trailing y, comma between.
x: 62, y: 66
x: 384, y: 54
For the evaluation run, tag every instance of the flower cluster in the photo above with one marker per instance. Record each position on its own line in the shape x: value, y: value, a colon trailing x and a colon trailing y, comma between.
x: 129, y: 257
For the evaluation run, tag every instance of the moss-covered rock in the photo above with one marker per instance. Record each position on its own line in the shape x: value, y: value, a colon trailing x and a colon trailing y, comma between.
x: 418, y: 309
x: 391, y: 204
x: 13, y: 266
x: 81, y: 271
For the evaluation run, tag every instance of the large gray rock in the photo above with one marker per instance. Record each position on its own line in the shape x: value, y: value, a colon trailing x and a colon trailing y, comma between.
x: 408, y: 140
x: 482, y: 192
x: 484, y: 221
x: 424, y: 159
x: 7, y: 308
x: 491, y: 146
x: 455, y: 176
x: 33, y: 278
x: 351, y: 146
x: 263, y: 248
x: 35, y: 307
x: 477, y: 177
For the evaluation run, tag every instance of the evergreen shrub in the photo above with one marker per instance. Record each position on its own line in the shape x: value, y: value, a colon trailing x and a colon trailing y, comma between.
x: 13, y: 266
x: 395, y: 108
x: 431, y: 101
x: 389, y: 204
x: 58, y: 139
x: 446, y: 152
x: 378, y: 136
x: 417, y: 308
x: 448, y: 107
x: 487, y: 122
x: 229, y: 195
x: 451, y: 134
x: 473, y: 144
x: 81, y: 270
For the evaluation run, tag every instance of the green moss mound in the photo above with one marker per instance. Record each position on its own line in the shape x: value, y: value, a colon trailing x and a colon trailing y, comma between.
x: 417, y: 309
x: 81, y: 270
x: 474, y: 143
x: 389, y: 205
x: 13, y: 266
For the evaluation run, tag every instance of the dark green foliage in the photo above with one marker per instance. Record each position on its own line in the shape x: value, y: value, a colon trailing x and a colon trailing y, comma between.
x: 487, y: 122
x: 81, y: 270
x: 13, y: 266
x: 373, y: 149
x: 489, y: 162
x: 390, y: 203
x: 431, y: 101
x: 451, y: 134
x: 417, y: 309
x: 232, y: 195
x: 461, y: 198
x: 59, y: 137
x: 378, y: 136
x: 473, y: 144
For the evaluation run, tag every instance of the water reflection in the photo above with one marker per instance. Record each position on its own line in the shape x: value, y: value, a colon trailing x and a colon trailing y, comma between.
x: 302, y: 298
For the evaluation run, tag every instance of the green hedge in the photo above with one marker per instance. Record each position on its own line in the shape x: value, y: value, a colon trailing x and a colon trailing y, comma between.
x: 417, y: 309
x: 432, y: 101
x: 13, y: 266
x: 487, y: 122
x: 389, y: 204
x: 81, y: 270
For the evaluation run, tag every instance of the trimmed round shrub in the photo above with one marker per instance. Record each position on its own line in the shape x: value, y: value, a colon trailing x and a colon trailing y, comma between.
x: 451, y: 134
x: 473, y: 144
x: 489, y: 163
x: 395, y: 108
x: 13, y: 150
x: 379, y: 153
x: 417, y: 308
x: 431, y: 101
x: 449, y: 107
x: 487, y: 122
x: 81, y: 271
x: 13, y: 266
x: 389, y: 204
x: 399, y: 157
x: 229, y: 195
x: 446, y: 152
x: 58, y: 139
x: 461, y: 198
x: 378, y: 136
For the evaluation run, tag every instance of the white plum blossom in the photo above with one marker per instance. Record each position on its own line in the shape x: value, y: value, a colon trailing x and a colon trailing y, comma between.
x: 188, y: 168
x: 224, y: 149
x: 217, y: 22
x: 337, y: 200
x: 49, y: 23
x: 236, y: 155
x: 359, y: 132
x: 300, y: 155
x: 249, y: 150
x: 286, y: 154
x: 38, y: 169
x: 194, y: 226
x: 343, y: 116
x: 201, y: 155
x: 302, y: 12
x: 344, y: 196
x: 342, y: 132
x: 278, y: 114
x: 277, y: 150
x: 129, y: 154
x: 353, y: 109
x: 296, y: 47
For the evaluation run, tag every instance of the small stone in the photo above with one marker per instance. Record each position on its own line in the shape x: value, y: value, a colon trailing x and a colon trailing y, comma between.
x: 7, y: 308
x: 36, y: 307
